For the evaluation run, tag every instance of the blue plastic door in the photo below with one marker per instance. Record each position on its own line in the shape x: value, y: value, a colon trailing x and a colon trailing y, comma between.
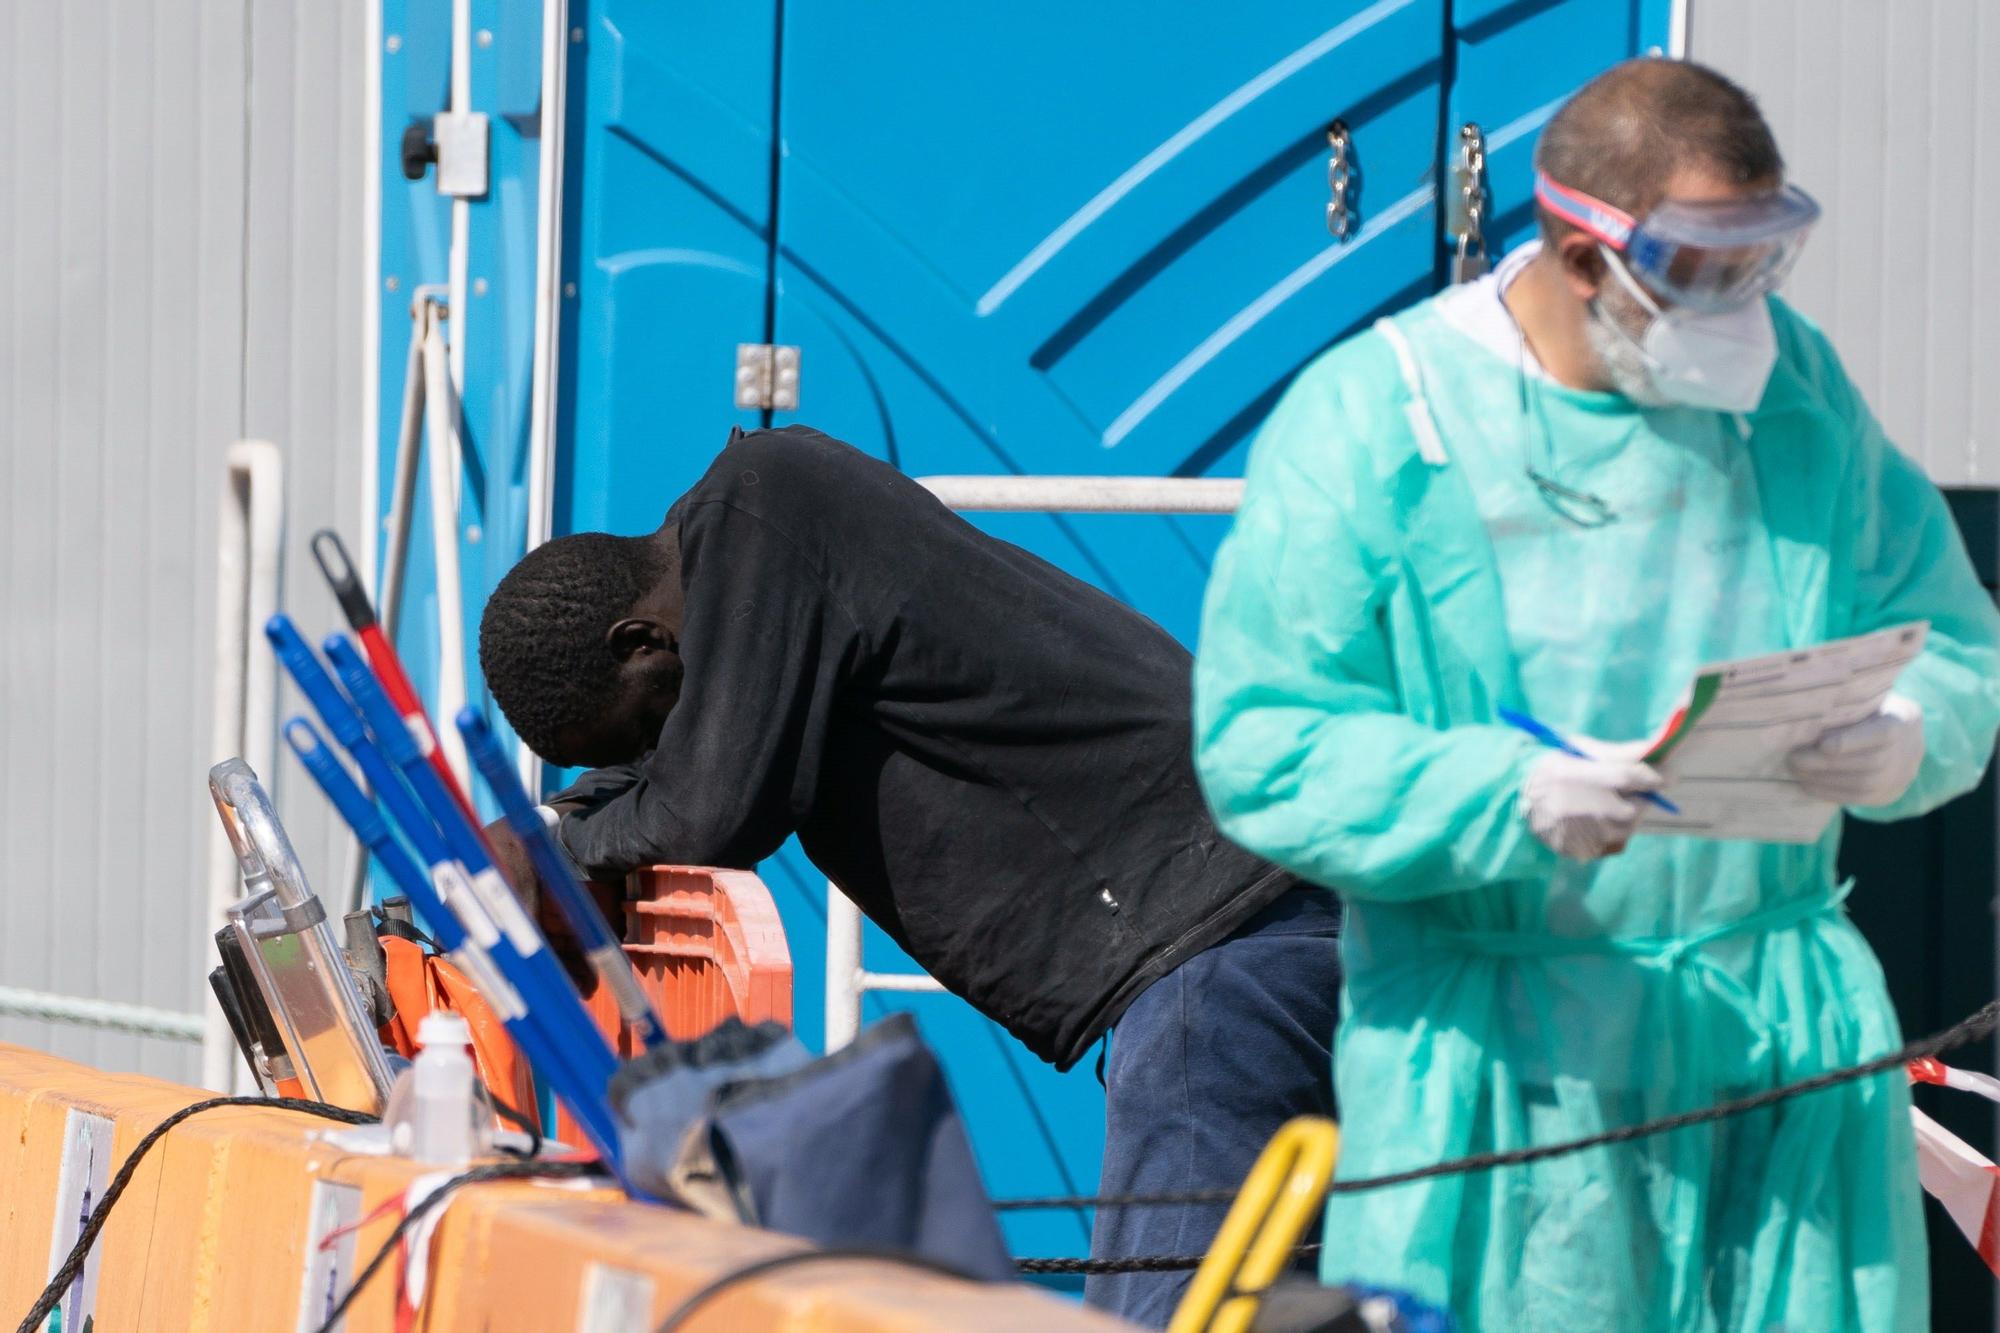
x: 1052, y: 238
x: 667, y: 237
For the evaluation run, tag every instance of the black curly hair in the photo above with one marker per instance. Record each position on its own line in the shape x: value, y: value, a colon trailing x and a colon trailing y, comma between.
x: 542, y: 636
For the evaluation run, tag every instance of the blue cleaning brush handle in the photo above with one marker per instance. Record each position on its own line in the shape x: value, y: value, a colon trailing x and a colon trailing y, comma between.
x: 354, y: 806
x: 604, y: 949
x: 345, y: 725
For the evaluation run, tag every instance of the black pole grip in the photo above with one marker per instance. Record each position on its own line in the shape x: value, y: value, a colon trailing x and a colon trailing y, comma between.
x: 331, y: 554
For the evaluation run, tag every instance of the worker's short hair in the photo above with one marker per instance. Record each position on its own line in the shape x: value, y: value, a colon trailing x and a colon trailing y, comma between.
x: 542, y: 637
x: 1626, y: 132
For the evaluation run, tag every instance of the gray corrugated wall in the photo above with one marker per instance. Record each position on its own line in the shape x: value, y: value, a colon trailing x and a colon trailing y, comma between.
x: 181, y: 226
x: 1889, y: 114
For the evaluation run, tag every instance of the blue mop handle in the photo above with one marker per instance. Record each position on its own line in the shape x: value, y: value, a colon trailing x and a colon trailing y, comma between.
x: 545, y: 1051
x: 541, y: 976
x: 355, y: 807
x: 604, y: 949
x: 344, y: 724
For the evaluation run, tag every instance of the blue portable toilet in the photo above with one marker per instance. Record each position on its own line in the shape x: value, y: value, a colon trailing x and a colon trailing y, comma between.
x: 1030, y: 238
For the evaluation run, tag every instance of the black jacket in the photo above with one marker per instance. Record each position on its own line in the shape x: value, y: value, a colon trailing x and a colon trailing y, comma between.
x: 991, y: 758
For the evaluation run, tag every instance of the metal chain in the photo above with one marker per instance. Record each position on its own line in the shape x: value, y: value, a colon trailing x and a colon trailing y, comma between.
x: 1469, y: 210
x: 1339, y: 179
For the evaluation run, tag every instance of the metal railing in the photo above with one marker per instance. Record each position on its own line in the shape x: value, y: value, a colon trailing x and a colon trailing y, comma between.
x: 847, y: 980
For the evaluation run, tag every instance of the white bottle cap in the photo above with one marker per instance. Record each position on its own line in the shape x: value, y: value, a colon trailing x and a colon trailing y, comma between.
x: 441, y: 1028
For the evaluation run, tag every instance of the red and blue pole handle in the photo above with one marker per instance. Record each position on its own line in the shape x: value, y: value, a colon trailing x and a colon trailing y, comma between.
x: 331, y: 554
x: 472, y: 939
x: 605, y: 951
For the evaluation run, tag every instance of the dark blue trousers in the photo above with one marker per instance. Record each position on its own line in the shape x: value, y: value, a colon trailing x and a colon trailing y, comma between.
x: 1204, y: 1067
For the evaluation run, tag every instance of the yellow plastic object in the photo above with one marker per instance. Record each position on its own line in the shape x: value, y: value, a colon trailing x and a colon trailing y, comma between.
x: 1283, y: 1193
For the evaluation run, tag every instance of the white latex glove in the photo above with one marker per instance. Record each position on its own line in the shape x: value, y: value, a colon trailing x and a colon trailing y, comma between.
x: 1868, y: 764
x: 1583, y: 808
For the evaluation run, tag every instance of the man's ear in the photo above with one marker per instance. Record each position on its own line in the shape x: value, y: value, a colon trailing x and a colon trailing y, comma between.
x: 637, y: 636
x: 1582, y: 265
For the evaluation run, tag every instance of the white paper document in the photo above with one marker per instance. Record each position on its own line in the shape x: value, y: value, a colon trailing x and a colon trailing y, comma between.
x: 1723, y: 753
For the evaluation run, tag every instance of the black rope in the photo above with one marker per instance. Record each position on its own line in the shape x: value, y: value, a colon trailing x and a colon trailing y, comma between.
x: 521, y: 1121
x: 80, y: 1252
x: 1962, y: 1033
x: 491, y: 1171
x: 685, y: 1311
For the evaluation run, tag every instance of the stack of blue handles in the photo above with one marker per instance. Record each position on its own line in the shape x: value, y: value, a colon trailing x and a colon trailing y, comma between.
x: 441, y: 864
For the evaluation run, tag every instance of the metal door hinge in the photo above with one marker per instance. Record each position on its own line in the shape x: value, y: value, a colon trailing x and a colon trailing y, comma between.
x: 767, y: 377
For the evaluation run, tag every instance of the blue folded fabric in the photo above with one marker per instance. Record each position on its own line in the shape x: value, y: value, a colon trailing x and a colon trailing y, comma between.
x: 863, y: 1147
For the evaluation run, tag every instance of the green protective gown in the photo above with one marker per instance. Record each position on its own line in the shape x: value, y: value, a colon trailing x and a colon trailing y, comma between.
x: 1391, y: 580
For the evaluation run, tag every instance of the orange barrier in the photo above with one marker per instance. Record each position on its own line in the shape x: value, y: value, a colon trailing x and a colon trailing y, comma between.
x: 221, y: 1230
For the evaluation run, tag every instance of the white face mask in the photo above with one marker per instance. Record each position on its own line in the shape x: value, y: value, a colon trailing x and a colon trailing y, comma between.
x: 1721, y: 362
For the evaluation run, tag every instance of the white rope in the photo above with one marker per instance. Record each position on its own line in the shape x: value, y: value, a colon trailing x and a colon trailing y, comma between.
x: 139, y: 1018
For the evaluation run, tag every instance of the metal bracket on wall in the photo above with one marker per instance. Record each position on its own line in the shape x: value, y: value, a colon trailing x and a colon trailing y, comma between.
x: 461, y: 154
x: 767, y: 377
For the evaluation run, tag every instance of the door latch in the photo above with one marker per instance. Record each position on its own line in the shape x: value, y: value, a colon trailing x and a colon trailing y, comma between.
x: 767, y: 377
x: 456, y: 144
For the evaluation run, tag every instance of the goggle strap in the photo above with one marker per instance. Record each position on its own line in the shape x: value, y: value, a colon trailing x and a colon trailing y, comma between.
x: 1610, y: 225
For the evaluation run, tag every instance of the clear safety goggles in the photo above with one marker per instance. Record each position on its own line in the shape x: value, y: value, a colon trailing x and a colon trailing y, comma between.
x: 1708, y: 257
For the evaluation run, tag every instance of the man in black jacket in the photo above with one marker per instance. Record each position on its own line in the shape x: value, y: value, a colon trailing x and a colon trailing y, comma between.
x: 991, y: 758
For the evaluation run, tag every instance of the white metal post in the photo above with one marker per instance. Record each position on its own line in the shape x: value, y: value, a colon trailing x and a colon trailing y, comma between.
x: 246, y: 694
x: 843, y: 968
x: 545, y: 383
x: 441, y: 408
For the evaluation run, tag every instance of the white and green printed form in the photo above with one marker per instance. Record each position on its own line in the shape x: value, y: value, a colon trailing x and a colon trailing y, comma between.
x: 1723, y: 752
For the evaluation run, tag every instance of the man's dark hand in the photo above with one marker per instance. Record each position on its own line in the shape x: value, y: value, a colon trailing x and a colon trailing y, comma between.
x: 518, y: 868
x: 511, y: 857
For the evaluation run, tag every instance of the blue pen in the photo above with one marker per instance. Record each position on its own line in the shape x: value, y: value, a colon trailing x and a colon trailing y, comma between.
x: 1522, y: 722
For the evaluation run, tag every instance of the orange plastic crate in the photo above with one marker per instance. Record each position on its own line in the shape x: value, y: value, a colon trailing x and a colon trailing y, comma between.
x: 707, y: 945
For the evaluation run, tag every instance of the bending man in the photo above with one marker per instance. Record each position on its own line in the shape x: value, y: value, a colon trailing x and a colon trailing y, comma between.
x: 991, y: 758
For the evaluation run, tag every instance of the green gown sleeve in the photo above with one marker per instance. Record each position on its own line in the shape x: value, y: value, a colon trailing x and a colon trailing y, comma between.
x: 1301, y: 744
x: 1909, y: 563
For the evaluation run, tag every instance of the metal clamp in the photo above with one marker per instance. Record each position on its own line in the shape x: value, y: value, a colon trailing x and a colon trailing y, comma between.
x: 1339, y: 180
x: 1466, y: 214
x: 293, y: 920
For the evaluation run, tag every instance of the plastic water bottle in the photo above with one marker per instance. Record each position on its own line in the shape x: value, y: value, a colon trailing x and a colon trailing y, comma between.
x: 438, y: 1112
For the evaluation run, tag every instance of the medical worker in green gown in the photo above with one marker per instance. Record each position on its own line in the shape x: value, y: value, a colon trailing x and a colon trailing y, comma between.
x: 1560, y: 490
